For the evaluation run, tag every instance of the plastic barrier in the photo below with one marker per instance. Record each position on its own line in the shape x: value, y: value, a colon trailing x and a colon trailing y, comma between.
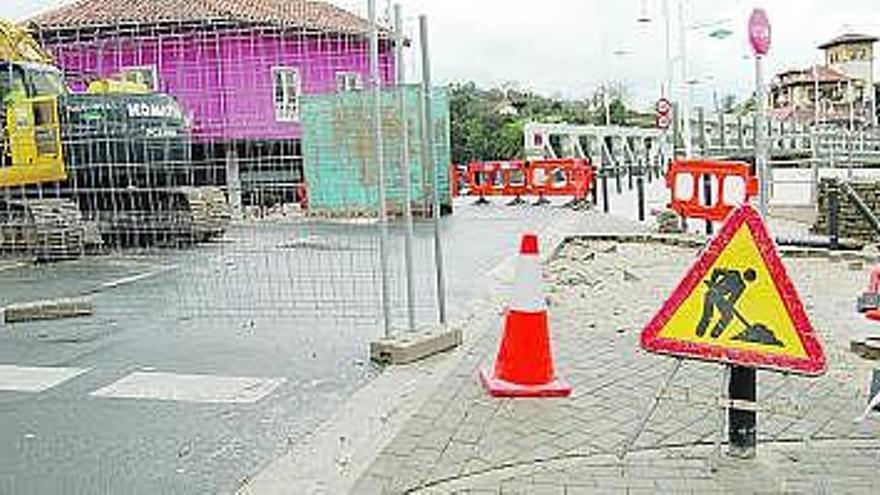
x: 870, y: 299
x: 685, y: 181
x: 558, y: 177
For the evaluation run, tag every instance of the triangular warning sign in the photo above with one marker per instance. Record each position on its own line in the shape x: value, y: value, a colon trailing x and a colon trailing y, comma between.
x: 737, y: 305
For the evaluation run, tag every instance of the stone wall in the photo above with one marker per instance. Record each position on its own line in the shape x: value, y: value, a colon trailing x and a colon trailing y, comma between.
x: 852, y: 223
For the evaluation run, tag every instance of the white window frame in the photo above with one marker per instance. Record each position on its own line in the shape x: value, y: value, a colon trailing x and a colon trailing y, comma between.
x: 286, y: 110
x: 349, y: 81
x: 154, y: 72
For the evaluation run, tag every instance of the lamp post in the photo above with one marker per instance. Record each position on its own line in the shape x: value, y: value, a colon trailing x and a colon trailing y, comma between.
x: 684, y: 89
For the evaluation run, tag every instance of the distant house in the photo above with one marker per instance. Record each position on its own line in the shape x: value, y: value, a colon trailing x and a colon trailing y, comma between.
x: 237, y: 67
x: 844, y: 86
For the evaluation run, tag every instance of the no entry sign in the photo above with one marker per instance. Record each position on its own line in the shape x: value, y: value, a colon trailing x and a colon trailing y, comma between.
x: 759, y: 32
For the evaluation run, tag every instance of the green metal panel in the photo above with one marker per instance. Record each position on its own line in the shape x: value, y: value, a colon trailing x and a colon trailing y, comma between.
x: 339, y: 155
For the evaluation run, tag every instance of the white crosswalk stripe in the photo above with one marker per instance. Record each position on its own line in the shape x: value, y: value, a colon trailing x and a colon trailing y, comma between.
x: 35, y: 378
x: 190, y: 388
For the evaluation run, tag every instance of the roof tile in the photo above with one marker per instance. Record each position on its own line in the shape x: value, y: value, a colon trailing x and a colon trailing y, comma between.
x: 298, y: 13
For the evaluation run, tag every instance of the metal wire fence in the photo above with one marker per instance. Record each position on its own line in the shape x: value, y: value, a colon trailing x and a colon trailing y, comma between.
x: 230, y: 158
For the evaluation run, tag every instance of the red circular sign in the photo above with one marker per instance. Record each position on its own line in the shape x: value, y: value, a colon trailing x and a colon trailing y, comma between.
x: 759, y: 32
x: 664, y: 106
x: 663, y: 121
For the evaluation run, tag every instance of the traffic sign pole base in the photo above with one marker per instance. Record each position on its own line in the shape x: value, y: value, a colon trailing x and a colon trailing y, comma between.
x: 502, y: 388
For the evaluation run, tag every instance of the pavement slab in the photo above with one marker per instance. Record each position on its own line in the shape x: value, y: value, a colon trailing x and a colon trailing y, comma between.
x: 591, y: 441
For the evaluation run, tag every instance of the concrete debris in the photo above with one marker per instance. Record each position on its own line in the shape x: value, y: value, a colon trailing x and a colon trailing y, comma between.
x: 47, y: 310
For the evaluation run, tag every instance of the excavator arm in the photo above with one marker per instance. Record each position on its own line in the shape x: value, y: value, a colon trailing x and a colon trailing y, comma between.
x: 31, y: 132
x: 17, y: 45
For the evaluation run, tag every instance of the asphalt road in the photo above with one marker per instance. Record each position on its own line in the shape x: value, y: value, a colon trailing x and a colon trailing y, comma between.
x: 199, y: 366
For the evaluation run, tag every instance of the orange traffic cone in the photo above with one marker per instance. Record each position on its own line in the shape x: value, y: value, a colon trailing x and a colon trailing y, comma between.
x: 524, y: 367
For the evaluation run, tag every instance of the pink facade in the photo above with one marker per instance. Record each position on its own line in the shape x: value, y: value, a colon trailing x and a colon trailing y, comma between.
x: 224, y: 78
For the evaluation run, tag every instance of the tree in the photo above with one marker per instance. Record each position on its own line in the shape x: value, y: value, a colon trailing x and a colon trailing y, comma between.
x: 483, y: 126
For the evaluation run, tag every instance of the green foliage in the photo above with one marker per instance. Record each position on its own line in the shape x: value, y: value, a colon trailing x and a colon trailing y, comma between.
x: 487, y: 124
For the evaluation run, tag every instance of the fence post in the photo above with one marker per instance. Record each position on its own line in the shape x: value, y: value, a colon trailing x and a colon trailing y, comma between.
x: 428, y: 130
x: 405, y: 171
x: 375, y: 86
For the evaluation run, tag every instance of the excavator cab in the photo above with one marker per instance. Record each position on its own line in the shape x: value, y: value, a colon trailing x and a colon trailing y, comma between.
x: 30, y: 145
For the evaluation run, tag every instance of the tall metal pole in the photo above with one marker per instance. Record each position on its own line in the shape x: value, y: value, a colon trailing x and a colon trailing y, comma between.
x: 606, y: 101
x: 669, y: 144
x: 685, y: 90
x: 667, y: 27
x: 405, y: 170
x: 431, y: 163
x: 761, y: 158
x: 376, y: 83
x: 815, y: 95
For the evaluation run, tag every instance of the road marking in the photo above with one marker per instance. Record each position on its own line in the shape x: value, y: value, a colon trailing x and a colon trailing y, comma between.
x: 35, y: 379
x: 190, y: 388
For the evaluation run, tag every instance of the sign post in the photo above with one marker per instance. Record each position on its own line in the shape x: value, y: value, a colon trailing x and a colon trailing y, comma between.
x: 742, y: 424
x: 759, y: 38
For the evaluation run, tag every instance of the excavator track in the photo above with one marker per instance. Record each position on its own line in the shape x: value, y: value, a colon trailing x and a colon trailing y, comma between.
x: 45, y: 229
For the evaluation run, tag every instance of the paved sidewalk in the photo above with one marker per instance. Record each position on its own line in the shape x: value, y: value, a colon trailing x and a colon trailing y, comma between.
x: 332, y: 459
x: 601, y: 294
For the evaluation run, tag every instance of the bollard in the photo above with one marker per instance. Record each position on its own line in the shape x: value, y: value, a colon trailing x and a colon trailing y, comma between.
x: 640, y: 190
x: 594, y: 195
x: 629, y: 173
x: 873, y: 396
x: 605, y: 206
x: 742, y: 433
x: 707, y: 196
x: 875, y: 390
x: 833, y: 210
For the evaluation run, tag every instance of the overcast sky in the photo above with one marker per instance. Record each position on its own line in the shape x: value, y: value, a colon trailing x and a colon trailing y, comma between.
x: 569, y: 47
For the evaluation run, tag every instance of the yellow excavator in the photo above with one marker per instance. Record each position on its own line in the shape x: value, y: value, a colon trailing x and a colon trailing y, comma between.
x: 108, y: 167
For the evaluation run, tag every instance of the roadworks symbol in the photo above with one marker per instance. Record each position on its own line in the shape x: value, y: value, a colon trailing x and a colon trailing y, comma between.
x: 737, y: 305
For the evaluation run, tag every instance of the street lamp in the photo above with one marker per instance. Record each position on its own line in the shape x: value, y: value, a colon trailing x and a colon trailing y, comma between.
x: 719, y: 33
x: 606, y: 102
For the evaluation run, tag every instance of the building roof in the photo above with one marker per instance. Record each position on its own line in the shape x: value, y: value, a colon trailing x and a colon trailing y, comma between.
x: 848, y: 38
x: 796, y: 77
x: 307, y: 14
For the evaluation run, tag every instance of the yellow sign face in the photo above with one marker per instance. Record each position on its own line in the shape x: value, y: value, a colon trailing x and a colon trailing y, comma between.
x: 737, y: 294
x: 737, y: 305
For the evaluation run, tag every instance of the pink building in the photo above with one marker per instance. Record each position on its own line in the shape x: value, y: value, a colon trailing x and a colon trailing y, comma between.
x: 237, y: 67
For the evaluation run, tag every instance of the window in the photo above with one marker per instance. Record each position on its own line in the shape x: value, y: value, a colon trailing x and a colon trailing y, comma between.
x: 145, y: 75
x: 286, y: 89
x: 348, y: 81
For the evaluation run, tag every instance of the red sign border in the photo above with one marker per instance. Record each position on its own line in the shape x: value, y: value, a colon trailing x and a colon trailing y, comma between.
x: 659, y: 118
x: 813, y: 364
x: 666, y: 104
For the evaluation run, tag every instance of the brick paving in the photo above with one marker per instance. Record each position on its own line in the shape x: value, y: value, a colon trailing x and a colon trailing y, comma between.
x: 601, y: 294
